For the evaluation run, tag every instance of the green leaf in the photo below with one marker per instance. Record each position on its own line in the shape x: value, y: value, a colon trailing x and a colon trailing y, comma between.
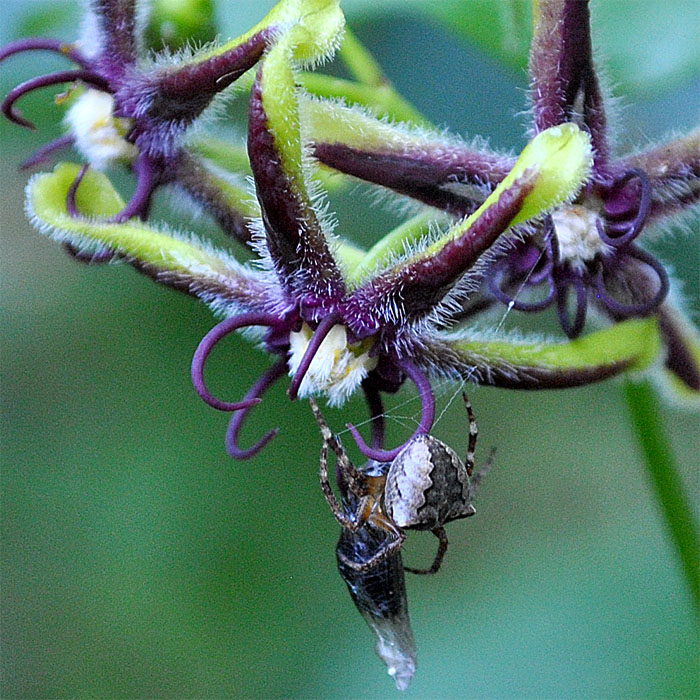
x: 502, y: 28
x: 177, y: 23
x: 46, y: 18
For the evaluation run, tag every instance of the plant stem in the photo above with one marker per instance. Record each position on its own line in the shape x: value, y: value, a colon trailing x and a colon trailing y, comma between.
x: 360, y: 62
x: 383, y: 98
x: 646, y: 413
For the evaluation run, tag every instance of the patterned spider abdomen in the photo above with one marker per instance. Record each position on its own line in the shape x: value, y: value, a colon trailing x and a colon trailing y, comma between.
x: 427, y: 486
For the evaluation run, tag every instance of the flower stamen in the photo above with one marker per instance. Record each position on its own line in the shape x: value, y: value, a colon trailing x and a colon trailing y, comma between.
x: 322, y: 331
x: 326, y: 362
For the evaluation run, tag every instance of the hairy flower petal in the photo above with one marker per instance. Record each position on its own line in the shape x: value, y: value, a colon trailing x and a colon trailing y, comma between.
x: 295, y: 234
x: 673, y: 169
x: 550, y: 170
x: 521, y: 364
x: 434, y: 168
x: 564, y: 81
x: 174, y: 261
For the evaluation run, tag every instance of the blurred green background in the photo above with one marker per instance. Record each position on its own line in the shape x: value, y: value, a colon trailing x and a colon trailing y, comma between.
x: 138, y: 560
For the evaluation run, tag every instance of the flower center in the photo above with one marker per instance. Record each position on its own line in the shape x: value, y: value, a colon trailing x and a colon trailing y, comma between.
x: 99, y: 135
x: 337, y: 368
x: 576, y: 228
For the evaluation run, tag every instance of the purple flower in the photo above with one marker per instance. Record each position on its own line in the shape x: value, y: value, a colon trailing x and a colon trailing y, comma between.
x: 374, y: 326
x: 333, y: 316
x: 587, y: 250
x: 136, y: 108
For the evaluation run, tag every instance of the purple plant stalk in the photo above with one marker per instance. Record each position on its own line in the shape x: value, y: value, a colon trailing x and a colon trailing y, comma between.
x: 587, y: 252
x: 150, y: 103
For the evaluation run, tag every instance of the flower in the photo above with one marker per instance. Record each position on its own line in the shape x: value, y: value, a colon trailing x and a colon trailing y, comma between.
x: 587, y: 250
x: 336, y: 317
x: 337, y: 368
x: 128, y: 106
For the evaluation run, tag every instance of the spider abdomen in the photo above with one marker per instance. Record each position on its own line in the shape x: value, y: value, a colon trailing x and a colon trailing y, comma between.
x: 427, y: 486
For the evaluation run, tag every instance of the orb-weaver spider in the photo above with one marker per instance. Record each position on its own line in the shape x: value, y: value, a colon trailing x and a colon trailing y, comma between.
x: 426, y: 486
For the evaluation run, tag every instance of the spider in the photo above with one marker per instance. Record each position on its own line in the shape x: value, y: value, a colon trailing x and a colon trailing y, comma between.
x: 426, y: 486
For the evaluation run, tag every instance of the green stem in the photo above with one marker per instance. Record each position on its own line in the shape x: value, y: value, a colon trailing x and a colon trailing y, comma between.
x: 646, y: 417
x: 383, y: 98
x: 360, y: 62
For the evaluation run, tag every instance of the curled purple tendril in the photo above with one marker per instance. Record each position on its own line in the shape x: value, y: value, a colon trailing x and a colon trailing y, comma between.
x: 317, y: 338
x: 643, y: 308
x: 376, y: 412
x: 138, y: 205
x: 565, y: 281
x: 496, y: 279
x: 522, y: 264
x: 148, y: 176
x: 67, y: 76
x: 147, y: 179
x: 627, y: 200
x: 619, y: 229
x: 417, y: 376
x: 41, y: 44
x: 71, y: 206
x: 207, y: 344
x: 42, y: 154
x: 102, y: 255
x: 253, y: 397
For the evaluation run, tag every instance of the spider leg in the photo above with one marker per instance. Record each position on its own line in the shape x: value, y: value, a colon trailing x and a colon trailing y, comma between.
x: 473, y: 433
x: 338, y: 510
x: 385, y: 551
x: 356, y: 481
x: 440, y: 533
x: 476, y: 479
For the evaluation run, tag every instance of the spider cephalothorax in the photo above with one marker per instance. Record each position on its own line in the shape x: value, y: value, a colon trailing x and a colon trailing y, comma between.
x: 425, y: 487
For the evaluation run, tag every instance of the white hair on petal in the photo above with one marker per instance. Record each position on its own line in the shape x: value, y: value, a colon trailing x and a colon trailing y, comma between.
x: 203, y: 278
